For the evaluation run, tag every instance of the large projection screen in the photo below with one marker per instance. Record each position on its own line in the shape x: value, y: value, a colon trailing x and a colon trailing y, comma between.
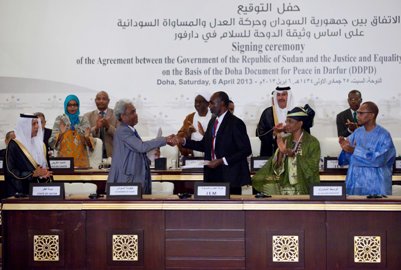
x: 160, y: 54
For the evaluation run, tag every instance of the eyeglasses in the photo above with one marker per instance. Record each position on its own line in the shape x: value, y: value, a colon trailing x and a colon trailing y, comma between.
x: 72, y: 105
x: 363, y: 112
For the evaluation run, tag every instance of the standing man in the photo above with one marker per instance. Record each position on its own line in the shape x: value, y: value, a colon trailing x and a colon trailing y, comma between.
x: 276, y: 114
x: 9, y: 136
x: 47, y: 132
x: 103, y: 123
x: 231, y: 106
x: 130, y: 163
x: 226, y: 145
x: 347, y: 120
x: 25, y: 160
x: 370, y: 153
x: 195, y: 123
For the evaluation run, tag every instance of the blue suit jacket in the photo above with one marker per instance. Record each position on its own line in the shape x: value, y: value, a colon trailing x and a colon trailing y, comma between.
x: 130, y: 163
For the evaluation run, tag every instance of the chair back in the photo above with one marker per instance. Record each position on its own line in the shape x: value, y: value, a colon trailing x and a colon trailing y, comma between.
x: 79, y: 189
x: 96, y: 156
x: 162, y: 188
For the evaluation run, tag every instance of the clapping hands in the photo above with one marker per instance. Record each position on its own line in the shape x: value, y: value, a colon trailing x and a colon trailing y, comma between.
x: 63, y: 127
x: 345, y: 145
x: 351, y: 125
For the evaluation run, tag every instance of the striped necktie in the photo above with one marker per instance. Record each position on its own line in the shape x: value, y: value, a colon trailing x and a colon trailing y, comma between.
x: 102, y: 133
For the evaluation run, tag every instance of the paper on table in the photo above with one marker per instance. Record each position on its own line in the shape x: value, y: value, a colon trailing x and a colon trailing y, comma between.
x: 195, y: 164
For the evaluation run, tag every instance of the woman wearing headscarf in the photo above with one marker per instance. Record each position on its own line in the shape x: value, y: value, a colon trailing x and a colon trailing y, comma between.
x: 295, y: 164
x: 26, y: 157
x: 71, y: 134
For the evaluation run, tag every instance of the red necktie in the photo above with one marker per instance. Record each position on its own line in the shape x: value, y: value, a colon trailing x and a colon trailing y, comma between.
x: 216, y: 122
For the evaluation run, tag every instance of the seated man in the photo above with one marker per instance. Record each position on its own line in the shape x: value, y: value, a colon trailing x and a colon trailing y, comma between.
x: 25, y: 160
x: 295, y: 164
x: 195, y: 124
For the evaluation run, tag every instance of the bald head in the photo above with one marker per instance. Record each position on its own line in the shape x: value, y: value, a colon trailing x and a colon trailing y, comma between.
x: 102, y: 100
x: 371, y: 107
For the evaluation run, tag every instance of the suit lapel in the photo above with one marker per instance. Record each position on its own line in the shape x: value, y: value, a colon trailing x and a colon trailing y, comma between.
x: 350, y: 116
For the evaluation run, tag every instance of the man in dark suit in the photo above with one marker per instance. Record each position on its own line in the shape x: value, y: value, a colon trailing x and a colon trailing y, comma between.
x: 347, y: 120
x: 9, y: 136
x: 47, y: 132
x: 226, y: 145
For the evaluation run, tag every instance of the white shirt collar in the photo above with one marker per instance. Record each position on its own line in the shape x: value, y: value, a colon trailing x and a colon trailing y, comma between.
x: 221, y: 117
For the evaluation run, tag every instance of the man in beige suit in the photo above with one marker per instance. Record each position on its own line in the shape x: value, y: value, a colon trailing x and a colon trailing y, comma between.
x: 103, y: 122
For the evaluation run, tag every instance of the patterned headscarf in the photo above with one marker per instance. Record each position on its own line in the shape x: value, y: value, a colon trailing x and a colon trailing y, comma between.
x: 304, y: 114
x: 74, y: 118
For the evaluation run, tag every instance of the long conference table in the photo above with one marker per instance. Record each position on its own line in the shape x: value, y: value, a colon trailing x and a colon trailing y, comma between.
x: 183, y: 180
x: 243, y: 232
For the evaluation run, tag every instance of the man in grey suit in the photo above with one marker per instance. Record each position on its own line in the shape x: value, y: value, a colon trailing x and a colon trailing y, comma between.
x: 130, y: 163
x: 103, y: 123
x: 347, y: 120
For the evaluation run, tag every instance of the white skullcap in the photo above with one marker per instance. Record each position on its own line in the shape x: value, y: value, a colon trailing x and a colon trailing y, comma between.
x: 205, y: 94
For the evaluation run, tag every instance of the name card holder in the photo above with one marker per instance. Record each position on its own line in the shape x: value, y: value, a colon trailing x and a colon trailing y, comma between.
x: 62, y: 165
x: 212, y: 191
x: 124, y: 191
x: 397, y: 165
x: 193, y: 164
x: 331, y: 165
x: 46, y: 191
x: 327, y: 192
x: 258, y: 162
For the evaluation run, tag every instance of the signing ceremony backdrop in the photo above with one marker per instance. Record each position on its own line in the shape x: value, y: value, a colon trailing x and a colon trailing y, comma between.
x: 160, y: 54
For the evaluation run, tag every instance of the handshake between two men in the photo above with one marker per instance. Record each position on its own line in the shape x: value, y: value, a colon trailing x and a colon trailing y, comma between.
x: 174, y: 140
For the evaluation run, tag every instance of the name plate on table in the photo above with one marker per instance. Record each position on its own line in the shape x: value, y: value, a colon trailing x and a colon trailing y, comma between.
x: 62, y: 164
x: 258, y: 162
x: 46, y: 191
x: 194, y: 164
x: 124, y: 191
x: 212, y: 191
x: 327, y: 191
x: 331, y: 164
x: 397, y: 165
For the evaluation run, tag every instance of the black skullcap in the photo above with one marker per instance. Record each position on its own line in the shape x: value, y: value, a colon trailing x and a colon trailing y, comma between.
x: 283, y: 88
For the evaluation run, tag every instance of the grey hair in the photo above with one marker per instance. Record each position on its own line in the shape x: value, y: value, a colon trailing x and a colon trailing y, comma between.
x: 120, y: 107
